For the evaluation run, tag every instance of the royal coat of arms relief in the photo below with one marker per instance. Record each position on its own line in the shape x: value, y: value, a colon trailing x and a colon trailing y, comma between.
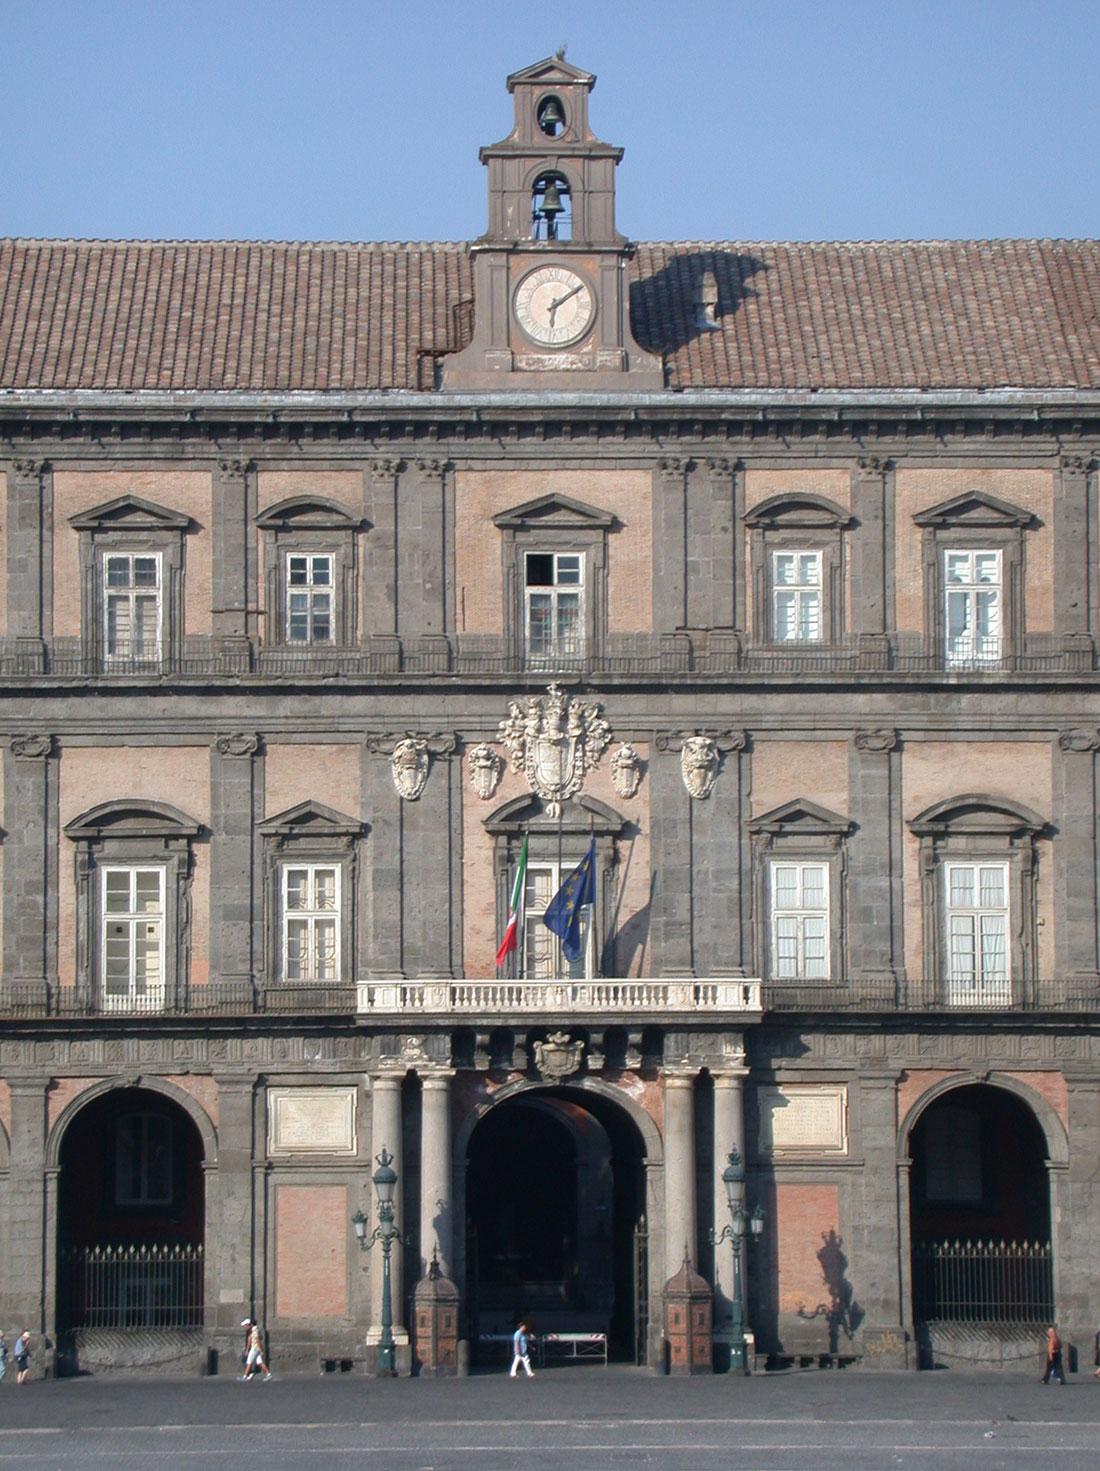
x: 555, y: 741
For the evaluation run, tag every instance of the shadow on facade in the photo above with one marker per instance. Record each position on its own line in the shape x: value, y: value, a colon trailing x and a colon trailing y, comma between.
x: 663, y: 307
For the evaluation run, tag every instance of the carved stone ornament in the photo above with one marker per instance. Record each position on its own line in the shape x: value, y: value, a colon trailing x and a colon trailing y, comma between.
x: 486, y: 769
x: 626, y: 774
x: 558, y: 1057
x: 1080, y: 739
x: 699, y: 764
x: 876, y: 740
x: 555, y: 741
x: 238, y: 744
x: 409, y: 763
x: 32, y: 747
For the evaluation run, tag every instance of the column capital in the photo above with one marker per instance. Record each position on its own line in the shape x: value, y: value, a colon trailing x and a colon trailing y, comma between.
x: 879, y: 740
x: 673, y: 472
x: 32, y: 747
x: 238, y: 744
x: 436, y: 1077
x: 681, y: 1077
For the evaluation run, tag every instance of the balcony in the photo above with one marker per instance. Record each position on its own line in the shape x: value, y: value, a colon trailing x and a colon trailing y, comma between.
x: 701, y: 654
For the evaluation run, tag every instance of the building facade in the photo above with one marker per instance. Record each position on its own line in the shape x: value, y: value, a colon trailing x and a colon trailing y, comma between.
x: 336, y: 572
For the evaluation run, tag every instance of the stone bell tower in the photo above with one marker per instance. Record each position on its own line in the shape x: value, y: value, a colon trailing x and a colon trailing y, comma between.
x: 551, y: 292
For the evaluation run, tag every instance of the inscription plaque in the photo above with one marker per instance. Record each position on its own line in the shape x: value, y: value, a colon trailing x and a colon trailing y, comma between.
x: 311, y: 1121
x: 804, y: 1118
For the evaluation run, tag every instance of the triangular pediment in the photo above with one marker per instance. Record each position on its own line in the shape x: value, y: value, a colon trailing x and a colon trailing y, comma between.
x: 311, y: 819
x: 308, y: 513
x: 552, y: 71
x: 555, y: 510
x: 130, y: 512
x: 975, y: 508
x: 801, y: 817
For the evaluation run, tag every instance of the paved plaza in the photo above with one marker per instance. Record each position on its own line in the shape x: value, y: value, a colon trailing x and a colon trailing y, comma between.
x: 583, y: 1419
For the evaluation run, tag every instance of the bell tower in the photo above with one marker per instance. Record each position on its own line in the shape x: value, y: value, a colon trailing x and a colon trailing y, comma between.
x: 550, y: 280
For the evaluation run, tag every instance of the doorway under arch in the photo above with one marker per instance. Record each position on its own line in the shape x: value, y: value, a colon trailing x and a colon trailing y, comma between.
x: 555, y: 1208
x: 131, y: 1227
x: 980, y: 1217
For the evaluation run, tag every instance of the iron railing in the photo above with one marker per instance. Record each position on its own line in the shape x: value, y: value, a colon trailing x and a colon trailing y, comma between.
x: 1002, y: 1282
x: 701, y: 652
x: 158, y: 1285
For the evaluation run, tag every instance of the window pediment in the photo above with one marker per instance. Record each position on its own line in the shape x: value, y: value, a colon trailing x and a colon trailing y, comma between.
x: 132, y: 819
x: 978, y: 814
x: 976, y: 508
x: 799, y: 512
x: 527, y: 814
x: 309, y: 513
x: 557, y: 512
x: 311, y: 820
x: 130, y: 513
x: 801, y: 819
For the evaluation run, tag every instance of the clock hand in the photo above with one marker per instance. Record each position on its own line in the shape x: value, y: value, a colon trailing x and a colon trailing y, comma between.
x: 561, y: 300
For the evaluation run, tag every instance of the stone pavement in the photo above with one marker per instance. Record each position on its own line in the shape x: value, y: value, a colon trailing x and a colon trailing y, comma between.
x: 572, y: 1419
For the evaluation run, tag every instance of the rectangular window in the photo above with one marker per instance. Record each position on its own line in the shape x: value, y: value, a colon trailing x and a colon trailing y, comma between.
x: 542, y: 954
x: 132, y: 606
x: 143, y: 1160
x: 132, y: 958
x: 311, y: 923
x: 554, y: 606
x: 977, y: 934
x: 309, y: 587
x: 800, y: 921
x: 796, y: 597
x: 973, y: 611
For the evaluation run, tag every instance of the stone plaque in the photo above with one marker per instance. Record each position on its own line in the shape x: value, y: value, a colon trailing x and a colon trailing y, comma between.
x: 311, y: 1121
x: 804, y: 1118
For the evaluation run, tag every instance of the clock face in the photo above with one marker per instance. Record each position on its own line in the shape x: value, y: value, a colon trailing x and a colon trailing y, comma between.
x: 554, y: 306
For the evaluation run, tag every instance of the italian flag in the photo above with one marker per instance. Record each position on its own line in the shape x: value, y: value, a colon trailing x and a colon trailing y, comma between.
x: 508, y: 944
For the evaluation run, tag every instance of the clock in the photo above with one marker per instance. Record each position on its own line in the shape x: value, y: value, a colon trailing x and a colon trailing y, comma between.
x: 554, y: 306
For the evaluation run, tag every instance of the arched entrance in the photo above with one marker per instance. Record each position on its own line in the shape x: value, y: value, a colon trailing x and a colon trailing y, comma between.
x: 130, y: 1237
x: 555, y: 1206
x: 980, y: 1218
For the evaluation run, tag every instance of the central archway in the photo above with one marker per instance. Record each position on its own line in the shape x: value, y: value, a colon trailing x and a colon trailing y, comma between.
x: 555, y: 1205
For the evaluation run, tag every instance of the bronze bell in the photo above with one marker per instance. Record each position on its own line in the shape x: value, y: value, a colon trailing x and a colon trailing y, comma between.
x: 551, y: 201
x: 551, y: 116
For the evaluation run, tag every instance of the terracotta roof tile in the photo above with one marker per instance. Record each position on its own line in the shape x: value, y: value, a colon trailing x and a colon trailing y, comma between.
x: 227, y: 315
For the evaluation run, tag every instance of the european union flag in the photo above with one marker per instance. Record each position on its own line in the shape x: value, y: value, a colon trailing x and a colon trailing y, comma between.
x: 563, y: 913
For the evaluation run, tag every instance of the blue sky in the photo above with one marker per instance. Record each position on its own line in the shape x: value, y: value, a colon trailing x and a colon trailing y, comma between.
x: 327, y: 119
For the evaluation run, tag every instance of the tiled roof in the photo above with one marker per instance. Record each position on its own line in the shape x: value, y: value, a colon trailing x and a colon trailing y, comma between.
x: 224, y: 315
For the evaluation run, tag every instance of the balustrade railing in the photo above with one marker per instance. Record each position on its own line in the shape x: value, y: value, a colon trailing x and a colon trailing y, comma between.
x: 133, y: 1286
x: 982, y: 1282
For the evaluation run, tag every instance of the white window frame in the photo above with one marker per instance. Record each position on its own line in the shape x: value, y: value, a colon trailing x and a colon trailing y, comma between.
x: 804, y: 594
x: 982, y: 983
x: 150, y: 650
x: 542, y: 958
x: 313, y: 592
x: 313, y: 916
x: 798, y: 919
x: 129, y: 920
x: 559, y: 647
x: 972, y: 646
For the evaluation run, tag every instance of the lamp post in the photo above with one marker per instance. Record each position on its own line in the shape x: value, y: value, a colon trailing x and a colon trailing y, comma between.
x: 733, y: 1177
x: 385, y: 1183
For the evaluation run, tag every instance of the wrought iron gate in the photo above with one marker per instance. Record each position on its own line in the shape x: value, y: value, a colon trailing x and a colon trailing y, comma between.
x: 982, y: 1282
x: 134, y: 1287
x: 641, y: 1292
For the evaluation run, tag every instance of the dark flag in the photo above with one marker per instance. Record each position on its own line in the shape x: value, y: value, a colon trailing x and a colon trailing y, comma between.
x: 563, y: 913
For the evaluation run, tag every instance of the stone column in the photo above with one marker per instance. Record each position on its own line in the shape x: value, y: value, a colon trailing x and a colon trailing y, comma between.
x: 29, y: 543
x: 729, y: 1133
x: 387, y: 1133
x: 30, y: 868
x: 1076, y: 860
x: 437, y: 1224
x: 237, y: 805
x: 234, y: 1255
x: 27, y: 1243
x: 874, y: 864
x: 680, y: 1216
x: 234, y: 567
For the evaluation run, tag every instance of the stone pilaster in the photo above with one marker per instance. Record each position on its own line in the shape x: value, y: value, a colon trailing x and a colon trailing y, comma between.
x: 29, y: 550
x: 27, y: 1243
x: 670, y: 545
x: 237, y: 806
x: 874, y: 958
x: 387, y: 1132
x: 30, y: 867
x: 721, y: 870
x: 670, y: 927
x: 1074, y: 1202
x: 234, y: 568
x: 1075, y: 551
x: 421, y: 559
x: 709, y: 546
x: 870, y: 584
x: 234, y: 1248
x: 381, y: 877
x: 1076, y: 859
x: 681, y: 1228
x: 437, y: 1224
x: 870, y: 1262
x: 380, y: 611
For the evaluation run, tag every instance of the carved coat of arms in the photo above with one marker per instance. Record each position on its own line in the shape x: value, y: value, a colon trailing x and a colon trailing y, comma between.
x: 555, y: 741
x: 558, y: 1057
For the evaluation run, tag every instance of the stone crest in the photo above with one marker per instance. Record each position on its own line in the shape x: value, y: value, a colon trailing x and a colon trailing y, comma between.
x: 485, y: 770
x: 626, y: 771
x: 410, y: 767
x: 555, y: 741
x: 558, y: 1057
x: 699, y: 764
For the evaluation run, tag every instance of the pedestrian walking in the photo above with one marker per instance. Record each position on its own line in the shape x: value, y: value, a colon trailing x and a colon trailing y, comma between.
x: 3, y: 1357
x: 23, y: 1356
x: 522, y: 1340
x: 254, y: 1361
x: 1054, y: 1357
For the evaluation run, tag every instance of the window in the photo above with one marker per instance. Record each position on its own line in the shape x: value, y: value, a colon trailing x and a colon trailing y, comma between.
x: 796, y: 593
x: 311, y: 923
x: 309, y: 599
x: 976, y: 895
x: 143, y: 1159
x: 310, y: 549
x: 554, y: 593
x: 972, y: 616
x: 131, y: 580
x: 542, y: 953
x: 134, y: 864
x: 554, y: 554
x: 798, y: 555
x: 978, y: 861
x: 800, y: 920
x: 973, y: 550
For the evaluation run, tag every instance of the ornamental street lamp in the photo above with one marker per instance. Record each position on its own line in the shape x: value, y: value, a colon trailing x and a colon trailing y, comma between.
x: 733, y: 1177
x: 385, y: 1183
